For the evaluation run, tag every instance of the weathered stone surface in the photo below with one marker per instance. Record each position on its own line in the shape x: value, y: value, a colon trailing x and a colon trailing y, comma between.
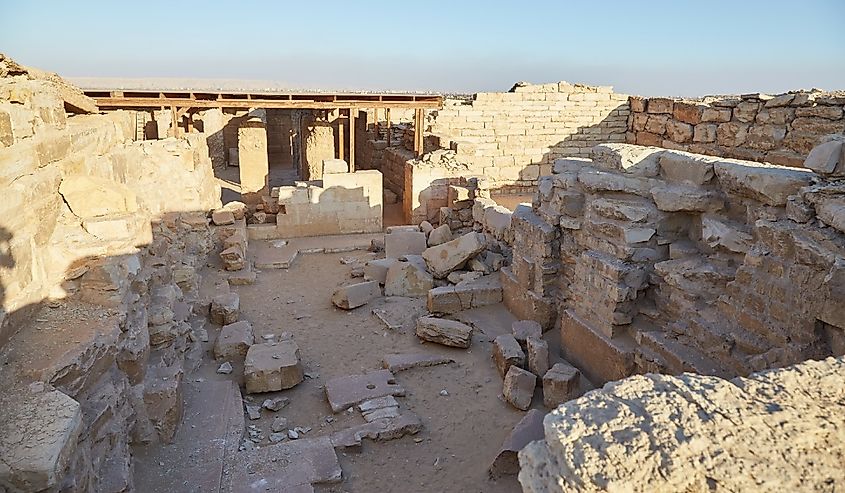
x: 347, y: 391
x: 776, y: 430
x: 442, y: 331
x: 440, y: 235
x: 408, y: 277
x: 537, y: 351
x: 406, y: 361
x: 506, y: 353
x: 683, y: 167
x: 272, y: 366
x: 379, y: 430
x: 483, y: 291
x: 450, y: 256
x: 234, y: 341
x: 39, y: 431
x: 828, y: 158
x: 222, y: 217
x: 561, y: 383
x: 630, y: 159
x: 293, y: 465
x: 376, y: 270
x: 598, y: 181
x: 523, y: 329
x: 529, y: 428
x: 720, y: 232
x: 225, y: 308
x: 519, y: 387
x: 678, y: 198
x: 401, y: 243
x: 355, y: 295
x: 335, y: 166
x: 764, y: 182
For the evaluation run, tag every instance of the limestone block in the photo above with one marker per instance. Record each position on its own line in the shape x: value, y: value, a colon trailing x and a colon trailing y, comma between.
x: 233, y: 258
x: 631, y: 159
x: 355, y: 295
x: 335, y: 166
x: 234, y: 341
x: 597, y: 181
x: 679, y: 132
x: 519, y: 387
x: 497, y: 220
x: 506, y: 353
x: 731, y: 134
x: 828, y: 158
x: 252, y: 158
x: 483, y: 291
x: 523, y: 329
x: 91, y: 196
x: 16, y: 123
x: 163, y: 399
x: 684, y: 167
x: 408, y: 277
x: 659, y: 105
x: 688, y: 112
x: 537, y: 351
x: 225, y: 308
x: 704, y: 133
x: 720, y: 232
x: 764, y: 182
x: 272, y: 366
x: 560, y: 384
x: 376, y: 270
x: 675, y: 198
x: 222, y: 217
x: 400, y: 243
x: 450, y: 256
x: 718, y: 115
x: 445, y: 332
x: 831, y: 211
x: 426, y: 227
x: 39, y: 431
x: 440, y: 235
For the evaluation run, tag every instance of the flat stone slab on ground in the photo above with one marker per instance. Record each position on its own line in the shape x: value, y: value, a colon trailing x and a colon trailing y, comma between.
x: 347, y: 391
x: 406, y: 361
x: 529, y: 428
x: 272, y: 366
x: 355, y: 295
x: 379, y: 430
x: 446, y: 332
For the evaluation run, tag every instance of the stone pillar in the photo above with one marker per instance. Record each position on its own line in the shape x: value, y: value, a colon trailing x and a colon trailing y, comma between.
x: 252, y: 154
x: 318, y: 145
x: 213, y: 122
x: 163, y: 119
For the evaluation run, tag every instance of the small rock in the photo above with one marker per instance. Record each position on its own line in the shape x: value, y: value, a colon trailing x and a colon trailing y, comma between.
x: 276, y: 403
x: 225, y: 368
x: 253, y: 412
x: 278, y: 437
x: 279, y: 424
x: 293, y: 435
x: 444, y: 392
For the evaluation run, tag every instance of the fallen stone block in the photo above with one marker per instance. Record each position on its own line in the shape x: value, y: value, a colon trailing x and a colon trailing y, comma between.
x: 347, y: 391
x: 529, y: 428
x: 242, y: 277
x: 452, y: 255
x: 163, y: 399
x: 379, y: 430
x: 506, y: 353
x: 233, y: 258
x: 560, y: 384
x: 401, y: 243
x: 289, y: 466
x: 445, y: 332
x: 272, y: 366
x: 222, y: 217
x: 238, y: 209
x: 401, y: 362
x: 523, y: 329
x: 828, y: 158
x: 225, y: 308
x: 440, y: 235
x: 355, y: 295
x: 426, y: 227
x: 376, y: 270
x: 408, y: 277
x: 486, y: 290
x: 538, y: 355
x: 234, y: 341
x: 519, y: 387
x: 379, y: 408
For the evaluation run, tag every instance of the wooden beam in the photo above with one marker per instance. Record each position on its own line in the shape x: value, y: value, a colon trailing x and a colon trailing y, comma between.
x: 119, y: 103
x: 352, y: 139
x: 340, y: 134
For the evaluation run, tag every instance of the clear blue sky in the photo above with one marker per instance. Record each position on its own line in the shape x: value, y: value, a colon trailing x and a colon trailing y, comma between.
x: 656, y: 47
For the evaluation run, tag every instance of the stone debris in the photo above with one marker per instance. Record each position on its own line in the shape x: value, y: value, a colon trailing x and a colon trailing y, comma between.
x: 519, y: 387
x: 234, y: 341
x: 561, y: 383
x: 408, y: 277
x: 426, y: 227
x: 506, y: 353
x: 225, y: 308
x: 222, y: 217
x: 458, y: 277
x: 355, y: 295
x: 529, y: 429
x: 406, y: 361
x: 253, y: 412
x: 380, y: 408
x: 292, y: 466
x: 445, y: 332
x: 275, y: 404
x: 798, y: 412
x: 225, y: 368
x: 440, y: 235
x: 452, y: 255
x: 537, y: 351
x: 243, y: 277
x: 346, y: 391
x: 272, y: 366
x: 523, y: 329
x: 400, y: 243
x: 277, y: 437
x: 379, y: 430
x: 280, y: 424
x: 376, y: 270
x: 484, y: 291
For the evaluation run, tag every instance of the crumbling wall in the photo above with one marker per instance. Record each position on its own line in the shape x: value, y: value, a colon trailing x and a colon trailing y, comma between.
x: 660, y: 260
x: 778, y: 430
x: 102, y: 239
x: 778, y: 129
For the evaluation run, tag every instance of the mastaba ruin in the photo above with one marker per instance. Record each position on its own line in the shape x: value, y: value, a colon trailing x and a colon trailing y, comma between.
x: 552, y: 288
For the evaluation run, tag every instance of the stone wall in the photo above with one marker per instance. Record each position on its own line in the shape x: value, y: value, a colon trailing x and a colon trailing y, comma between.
x: 102, y: 239
x: 665, y: 261
x: 779, y: 430
x: 757, y: 127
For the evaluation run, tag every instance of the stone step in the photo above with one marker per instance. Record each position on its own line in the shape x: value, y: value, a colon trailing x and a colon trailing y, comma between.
x: 208, y: 435
x: 680, y: 357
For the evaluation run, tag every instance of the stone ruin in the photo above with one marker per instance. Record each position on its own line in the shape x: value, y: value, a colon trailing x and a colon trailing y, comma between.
x: 673, y: 311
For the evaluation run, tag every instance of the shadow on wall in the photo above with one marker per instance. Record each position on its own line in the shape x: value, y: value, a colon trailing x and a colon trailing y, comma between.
x: 7, y: 262
x: 424, y: 202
